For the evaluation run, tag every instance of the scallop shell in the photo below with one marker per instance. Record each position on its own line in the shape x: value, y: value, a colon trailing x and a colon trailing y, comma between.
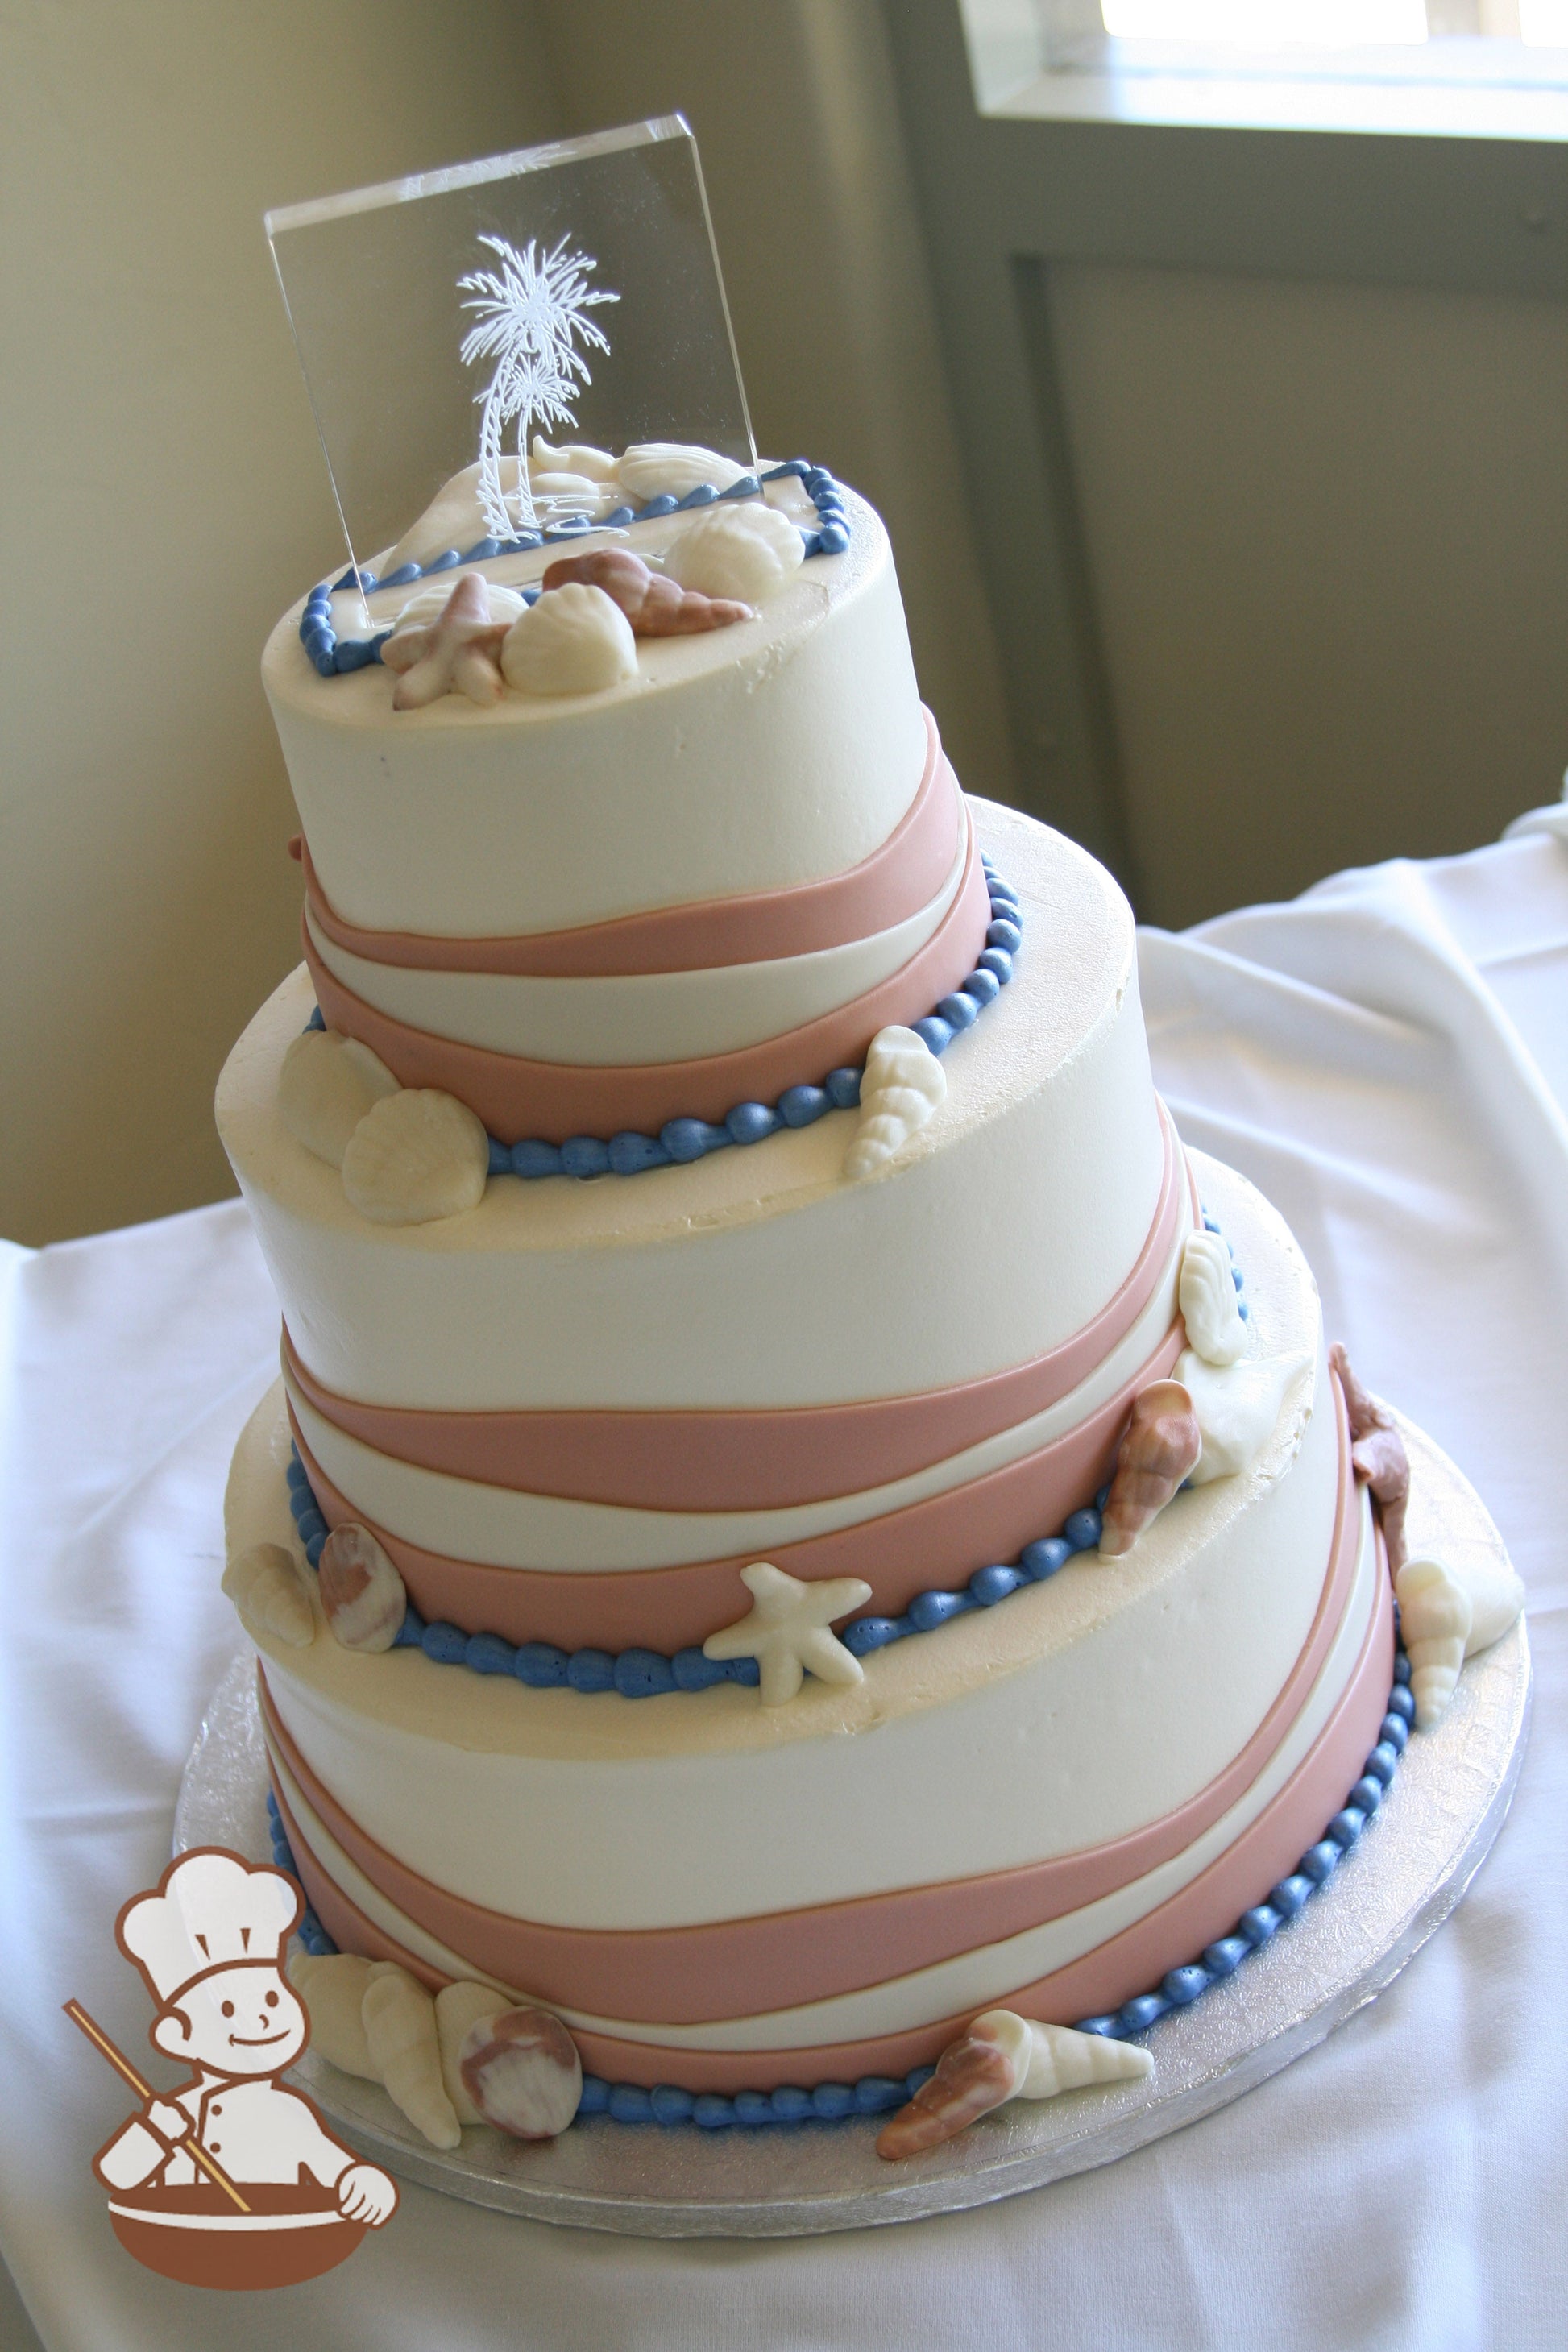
x: 522, y: 2072
x: 745, y: 551
x: 400, y: 2036
x: 575, y: 457
x: 655, y: 606
x: 1377, y: 1451
x: 327, y: 1084
x: 653, y: 469
x: 1237, y: 1406
x: 1435, y: 1621
x: 1160, y: 1449
x: 1210, y: 1308
x: 332, y: 1986
x: 505, y: 604
x: 458, y: 2007
x: 903, y: 1084
x: 417, y: 1156
x: 577, y: 640
x: 361, y: 1590
x: 264, y: 1585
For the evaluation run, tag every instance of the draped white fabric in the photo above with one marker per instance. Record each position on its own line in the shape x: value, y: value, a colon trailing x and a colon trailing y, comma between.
x: 1388, y: 1058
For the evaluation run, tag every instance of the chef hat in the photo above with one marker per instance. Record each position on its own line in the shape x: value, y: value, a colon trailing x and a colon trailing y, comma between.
x: 211, y: 1911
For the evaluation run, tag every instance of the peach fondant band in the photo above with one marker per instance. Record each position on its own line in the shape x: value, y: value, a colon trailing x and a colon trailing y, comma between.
x: 937, y: 1543
x: 1098, y: 1983
x: 739, y: 1460
x: 553, y: 1101
x: 886, y: 888
x: 746, y: 1967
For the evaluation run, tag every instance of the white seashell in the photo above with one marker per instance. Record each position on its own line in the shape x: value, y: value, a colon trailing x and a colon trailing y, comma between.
x: 522, y: 2072
x: 332, y: 1986
x: 653, y: 469
x: 326, y: 1085
x: 361, y: 1592
x: 740, y: 551
x: 428, y: 606
x: 458, y: 2007
x: 1210, y: 1308
x: 575, y: 640
x: 1004, y: 2056
x: 559, y: 497
x: 1237, y: 1406
x: 400, y: 2037
x: 264, y: 1585
x: 416, y: 1156
x: 903, y: 1084
x: 455, y: 517
x: 1050, y: 2059
x: 576, y: 458
x: 1435, y: 1622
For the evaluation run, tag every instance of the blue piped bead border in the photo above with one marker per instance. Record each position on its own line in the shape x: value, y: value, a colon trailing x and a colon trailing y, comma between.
x: 333, y: 657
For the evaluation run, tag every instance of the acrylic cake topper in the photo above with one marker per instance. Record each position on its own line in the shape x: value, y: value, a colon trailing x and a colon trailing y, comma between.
x: 568, y: 287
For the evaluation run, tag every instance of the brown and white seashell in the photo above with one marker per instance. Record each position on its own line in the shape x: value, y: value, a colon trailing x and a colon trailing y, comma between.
x: 655, y: 606
x: 651, y: 469
x: 419, y: 1155
x: 1210, y: 1308
x: 361, y: 1590
x: 458, y: 2008
x: 457, y: 653
x: 1161, y: 1448
x: 400, y: 2038
x: 265, y: 1587
x: 332, y: 1986
x: 902, y: 1085
x: 575, y: 457
x: 522, y: 2072
x: 577, y: 640
x: 1004, y: 2056
x: 1435, y: 1617
x: 1377, y: 1451
x: 747, y: 551
x: 327, y: 1084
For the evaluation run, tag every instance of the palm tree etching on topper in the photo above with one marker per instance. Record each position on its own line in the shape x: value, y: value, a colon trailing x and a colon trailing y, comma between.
x: 531, y: 315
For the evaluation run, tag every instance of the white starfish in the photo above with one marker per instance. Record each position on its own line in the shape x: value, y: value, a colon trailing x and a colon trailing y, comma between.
x: 457, y: 654
x: 787, y: 1630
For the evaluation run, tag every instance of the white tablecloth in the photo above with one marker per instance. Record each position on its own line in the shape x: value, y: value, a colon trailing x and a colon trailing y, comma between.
x: 1389, y: 1059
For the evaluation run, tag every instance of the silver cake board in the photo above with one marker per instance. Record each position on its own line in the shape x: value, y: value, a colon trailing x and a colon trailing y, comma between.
x: 1396, y: 1886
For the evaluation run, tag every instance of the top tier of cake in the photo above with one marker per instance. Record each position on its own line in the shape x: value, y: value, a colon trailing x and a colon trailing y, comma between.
x: 750, y: 760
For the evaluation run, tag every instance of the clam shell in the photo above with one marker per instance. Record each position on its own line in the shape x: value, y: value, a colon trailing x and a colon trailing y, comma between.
x: 417, y: 1156
x: 902, y: 1085
x: 1210, y: 1308
x: 361, y: 1590
x: 575, y: 640
x: 746, y: 552
x: 399, y: 2018
x: 522, y: 2072
x: 332, y: 1986
x: 327, y: 1084
x: 458, y: 2008
x: 1161, y: 1448
x: 428, y: 606
x: 265, y: 1587
x: 652, y: 469
x: 575, y: 457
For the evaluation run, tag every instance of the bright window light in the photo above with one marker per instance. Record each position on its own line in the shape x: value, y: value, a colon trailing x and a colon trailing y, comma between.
x: 1282, y: 24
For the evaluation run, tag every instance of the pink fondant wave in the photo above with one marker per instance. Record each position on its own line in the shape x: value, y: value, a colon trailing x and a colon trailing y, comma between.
x: 736, y: 1461
x: 937, y: 1543
x: 553, y: 1101
x: 744, y: 1968
x: 1129, y: 1963
x: 886, y: 888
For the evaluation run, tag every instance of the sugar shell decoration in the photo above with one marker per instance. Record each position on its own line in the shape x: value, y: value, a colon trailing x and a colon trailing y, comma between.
x: 457, y: 652
x: 1377, y: 1450
x: 673, y: 470
x: 788, y: 1630
x: 1446, y: 1616
x: 403, y: 2046
x: 332, y: 1986
x: 502, y: 605
x: 902, y: 1085
x: 458, y: 2007
x: 417, y: 1156
x: 1004, y: 2056
x: 522, y: 2072
x: 579, y: 458
x: 362, y: 1593
x: 327, y: 1085
x: 654, y: 605
x: 577, y: 640
x: 266, y: 1589
x: 747, y: 552
x: 1158, y: 1454
x: 1211, y: 1308
x: 1238, y: 1407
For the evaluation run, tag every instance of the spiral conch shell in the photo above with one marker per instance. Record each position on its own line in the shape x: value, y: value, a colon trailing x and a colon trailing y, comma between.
x: 1004, y: 2056
x: 1161, y: 1448
x: 419, y: 1155
x: 522, y: 2072
x: 746, y: 552
x: 361, y: 1590
x: 903, y: 1084
x: 1446, y: 1615
x: 577, y: 640
x: 332, y: 1986
x: 651, y: 469
x: 326, y: 1085
x: 264, y: 1585
x: 656, y: 607
x: 1210, y: 1308
x: 1377, y: 1451
x: 402, y: 2045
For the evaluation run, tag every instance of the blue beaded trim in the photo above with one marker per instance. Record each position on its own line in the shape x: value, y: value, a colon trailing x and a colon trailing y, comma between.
x: 332, y: 655
x: 681, y: 1140
x: 874, y: 2094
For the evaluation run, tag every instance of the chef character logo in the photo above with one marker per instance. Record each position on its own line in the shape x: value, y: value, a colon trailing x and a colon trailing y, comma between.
x: 231, y: 2179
